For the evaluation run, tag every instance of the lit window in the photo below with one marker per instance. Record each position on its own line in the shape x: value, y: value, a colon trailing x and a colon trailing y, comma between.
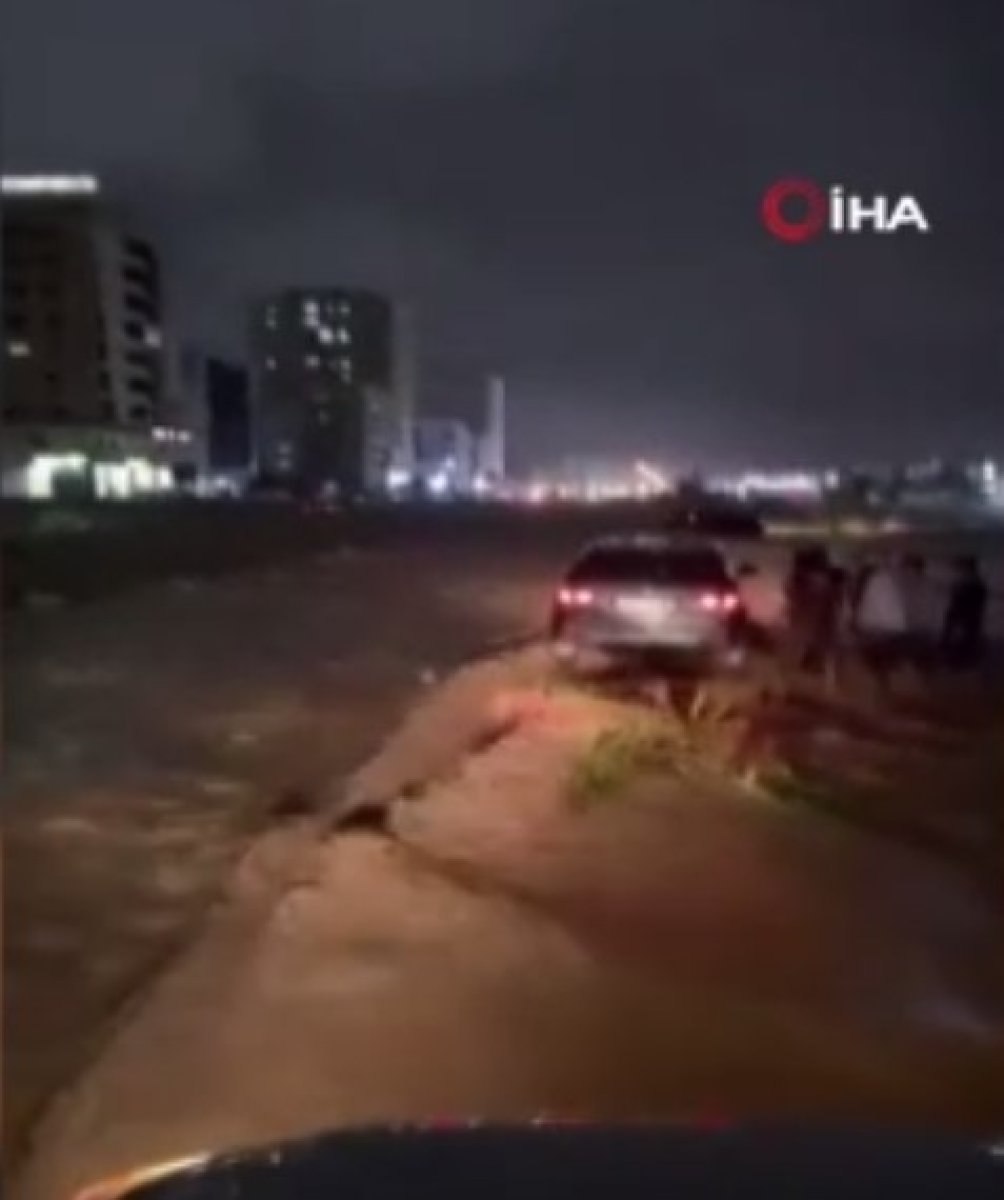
x: 344, y: 308
x: 271, y: 317
x: 154, y: 338
x: 19, y: 349
x: 325, y: 336
x: 311, y: 313
x: 270, y: 364
x: 343, y: 335
x: 54, y: 185
x: 312, y: 362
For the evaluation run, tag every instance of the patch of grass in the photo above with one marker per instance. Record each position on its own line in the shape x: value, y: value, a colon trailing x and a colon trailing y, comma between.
x: 793, y: 787
x: 616, y: 757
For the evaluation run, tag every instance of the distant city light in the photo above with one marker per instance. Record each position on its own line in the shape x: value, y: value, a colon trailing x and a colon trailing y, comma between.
x: 42, y: 468
x: 143, y: 475
x: 397, y: 478
x: 111, y: 481
x: 650, y: 480
x: 49, y: 185
x: 165, y: 433
x: 439, y: 484
x: 771, y: 483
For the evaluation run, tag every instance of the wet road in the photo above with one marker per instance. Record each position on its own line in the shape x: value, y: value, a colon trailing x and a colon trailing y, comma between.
x: 156, y: 733
x: 684, y: 951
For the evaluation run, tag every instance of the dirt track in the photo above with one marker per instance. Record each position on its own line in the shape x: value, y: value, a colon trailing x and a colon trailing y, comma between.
x: 683, y: 948
x: 155, y: 733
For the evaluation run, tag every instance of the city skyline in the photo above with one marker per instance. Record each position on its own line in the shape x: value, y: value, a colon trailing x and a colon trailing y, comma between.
x: 568, y: 193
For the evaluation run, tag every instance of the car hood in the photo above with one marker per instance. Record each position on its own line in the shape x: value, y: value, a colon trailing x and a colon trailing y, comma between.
x: 558, y: 1159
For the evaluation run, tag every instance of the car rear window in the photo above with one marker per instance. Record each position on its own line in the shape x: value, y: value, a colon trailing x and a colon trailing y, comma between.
x: 640, y: 565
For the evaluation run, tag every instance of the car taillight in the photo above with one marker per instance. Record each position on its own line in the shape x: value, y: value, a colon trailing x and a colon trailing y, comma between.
x: 571, y: 597
x: 723, y: 602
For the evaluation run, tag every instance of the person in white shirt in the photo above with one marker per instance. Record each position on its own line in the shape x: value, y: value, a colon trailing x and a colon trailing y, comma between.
x: 881, y: 619
x: 922, y: 607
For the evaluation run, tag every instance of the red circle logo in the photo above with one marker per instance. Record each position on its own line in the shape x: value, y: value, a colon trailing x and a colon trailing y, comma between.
x: 783, y: 227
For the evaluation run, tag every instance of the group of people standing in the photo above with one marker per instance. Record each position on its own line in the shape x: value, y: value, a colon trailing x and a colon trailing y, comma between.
x: 891, y: 612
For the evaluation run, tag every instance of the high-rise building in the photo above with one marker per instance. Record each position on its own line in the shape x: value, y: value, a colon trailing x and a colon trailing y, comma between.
x: 227, y: 393
x: 83, y: 345
x: 327, y: 407
x: 492, y: 442
x: 405, y: 394
x: 216, y: 401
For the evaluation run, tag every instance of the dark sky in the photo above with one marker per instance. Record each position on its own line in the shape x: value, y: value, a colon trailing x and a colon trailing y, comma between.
x: 567, y: 190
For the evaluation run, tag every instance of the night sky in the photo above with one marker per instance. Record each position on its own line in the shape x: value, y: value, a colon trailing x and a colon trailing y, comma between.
x: 567, y: 190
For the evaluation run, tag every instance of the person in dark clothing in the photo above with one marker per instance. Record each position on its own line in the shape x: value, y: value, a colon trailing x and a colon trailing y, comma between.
x: 805, y: 563
x: 922, y: 611
x: 963, y: 636
x: 814, y: 599
x: 828, y: 630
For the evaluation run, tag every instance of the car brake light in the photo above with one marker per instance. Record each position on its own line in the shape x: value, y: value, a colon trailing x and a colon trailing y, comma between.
x: 719, y: 601
x: 569, y: 597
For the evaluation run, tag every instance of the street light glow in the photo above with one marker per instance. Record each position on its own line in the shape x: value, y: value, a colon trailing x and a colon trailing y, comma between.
x: 49, y: 185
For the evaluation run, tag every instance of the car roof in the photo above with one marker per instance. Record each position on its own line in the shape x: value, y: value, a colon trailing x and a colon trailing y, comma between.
x: 645, y: 555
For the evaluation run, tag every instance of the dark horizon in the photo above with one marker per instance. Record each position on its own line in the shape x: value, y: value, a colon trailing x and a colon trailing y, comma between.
x: 567, y: 191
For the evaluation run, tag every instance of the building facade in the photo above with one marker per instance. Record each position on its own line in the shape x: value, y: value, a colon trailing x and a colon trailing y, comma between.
x: 228, y: 398
x: 446, y: 457
x: 84, y: 379
x: 327, y: 406
x: 217, y: 407
x: 491, y: 440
